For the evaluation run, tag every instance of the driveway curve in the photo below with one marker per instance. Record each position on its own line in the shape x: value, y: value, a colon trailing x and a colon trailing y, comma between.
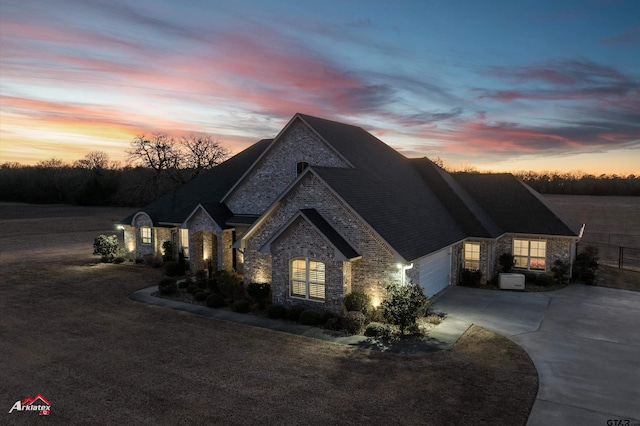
x: 583, y: 340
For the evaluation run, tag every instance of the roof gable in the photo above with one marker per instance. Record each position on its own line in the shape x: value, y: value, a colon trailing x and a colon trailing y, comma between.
x: 343, y: 250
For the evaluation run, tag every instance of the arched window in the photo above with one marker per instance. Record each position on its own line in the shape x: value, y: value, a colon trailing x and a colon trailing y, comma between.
x: 300, y: 166
x: 306, y: 278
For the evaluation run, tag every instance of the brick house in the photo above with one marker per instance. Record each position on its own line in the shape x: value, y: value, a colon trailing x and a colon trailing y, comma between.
x: 326, y: 208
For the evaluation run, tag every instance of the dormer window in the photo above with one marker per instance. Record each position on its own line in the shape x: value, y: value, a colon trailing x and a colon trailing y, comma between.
x: 300, y: 166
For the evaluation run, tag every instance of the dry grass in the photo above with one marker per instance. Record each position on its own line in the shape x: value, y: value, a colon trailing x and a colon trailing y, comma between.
x: 69, y: 332
x: 617, y: 216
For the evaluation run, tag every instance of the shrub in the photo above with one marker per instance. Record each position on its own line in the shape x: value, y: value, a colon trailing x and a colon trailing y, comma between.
x: 259, y: 292
x: 404, y: 304
x: 185, y: 283
x: 172, y: 269
x: 375, y: 329
x: 530, y: 276
x: 167, y: 286
x: 192, y: 288
x: 167, y: 251
x: 353, y: 321
x: 202, y: 284
x: 544, y: 280
x: 293, y: 313
x: 469, y: 278
x: 201, y: 275
x: 120, y: 255
x: 358, y: 301
x: 276, y: 312
x: 585, y: 265
x: 507, y: 262
x: 105, y: 246
x: 216, y: 301
x: 560, y: 270
x: 334, y: 323
x: 228, y: 283
x: 311, y: 317
x: 242, y: 306
x: 200, y: 295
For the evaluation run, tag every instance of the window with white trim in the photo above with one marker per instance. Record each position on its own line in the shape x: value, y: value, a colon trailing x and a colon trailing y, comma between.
x: 530, y: 254
x: 307, y: 278
x: 472, y: 256
x: 145, y: 235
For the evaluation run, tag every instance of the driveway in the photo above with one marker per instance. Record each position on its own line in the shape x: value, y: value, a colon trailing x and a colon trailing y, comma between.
x: 583, y: 340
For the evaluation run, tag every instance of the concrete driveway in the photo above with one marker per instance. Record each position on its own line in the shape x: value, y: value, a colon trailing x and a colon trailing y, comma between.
x: 583, y: 340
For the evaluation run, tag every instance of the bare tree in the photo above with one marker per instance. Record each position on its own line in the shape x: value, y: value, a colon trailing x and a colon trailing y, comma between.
x: 94, y: 160
x: 158, y: 152
x: 202, y: 152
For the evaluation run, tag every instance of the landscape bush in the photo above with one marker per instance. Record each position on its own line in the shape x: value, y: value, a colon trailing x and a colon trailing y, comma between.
x: 276, y: 312
x: 544, y: 280
x: 561, y: 270
x: 311, y: 317
x: 186, y: 283
x: 167, y: 286
x: 173, y: 269
x: 403, y: 305
x: 106, y: 247
x: 216, y: 301
x: 167, y: 251
x: 506, y: 262
x: 228, y: 283
x: 259, y: 292
x: 334, y: 323
x: 375, y: 329
x: 353, y: 322
x: 192, y: 288
x: 358, y: 301
x: 469, y: 278
x: 586, y: 265
x: 242, y: 306
x: 293, y: 313
x: 200, y: 295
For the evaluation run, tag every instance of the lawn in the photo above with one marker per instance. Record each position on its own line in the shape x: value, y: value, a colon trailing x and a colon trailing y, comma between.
x: 69, y: 332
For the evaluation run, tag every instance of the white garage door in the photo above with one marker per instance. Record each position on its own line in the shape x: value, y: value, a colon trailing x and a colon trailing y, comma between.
x: 435, y: 271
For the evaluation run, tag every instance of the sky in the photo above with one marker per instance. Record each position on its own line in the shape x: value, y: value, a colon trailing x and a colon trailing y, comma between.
x: 500, y: 85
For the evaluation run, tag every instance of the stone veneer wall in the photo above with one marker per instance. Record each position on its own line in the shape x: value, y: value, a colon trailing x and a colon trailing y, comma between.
x: 278, y: 169
x: 301, y: 240
x: 204, y: 234
x: 143, y: 249
x: 371, y: 273
x: 129, y: 235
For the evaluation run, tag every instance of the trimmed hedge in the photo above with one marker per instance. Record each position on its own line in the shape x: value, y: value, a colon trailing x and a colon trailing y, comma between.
x: 167, y: 286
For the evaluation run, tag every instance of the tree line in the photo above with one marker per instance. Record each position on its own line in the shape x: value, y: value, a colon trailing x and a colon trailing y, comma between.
x: 158, y: 164
x: 155, y: 166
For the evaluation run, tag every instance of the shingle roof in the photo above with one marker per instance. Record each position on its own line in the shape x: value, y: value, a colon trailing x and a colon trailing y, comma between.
x: 330, y: 233
x: 475, y: 221
x: 386, y: 191
x: 514, y: 206
x: 207, y: 189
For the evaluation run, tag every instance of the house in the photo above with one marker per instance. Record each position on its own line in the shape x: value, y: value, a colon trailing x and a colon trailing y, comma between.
x: 326, y: 208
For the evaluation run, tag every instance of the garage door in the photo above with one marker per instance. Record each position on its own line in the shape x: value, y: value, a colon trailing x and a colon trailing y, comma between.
x: 435, y: 271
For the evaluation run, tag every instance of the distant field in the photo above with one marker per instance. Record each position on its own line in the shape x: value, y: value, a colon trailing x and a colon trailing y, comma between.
x: 611, y: 222
x: 617, y: 217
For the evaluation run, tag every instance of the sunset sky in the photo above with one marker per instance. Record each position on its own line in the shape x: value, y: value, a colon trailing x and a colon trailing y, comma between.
x: 503, y: 85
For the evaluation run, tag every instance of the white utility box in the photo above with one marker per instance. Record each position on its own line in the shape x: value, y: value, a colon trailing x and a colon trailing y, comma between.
x: 511, y: 281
